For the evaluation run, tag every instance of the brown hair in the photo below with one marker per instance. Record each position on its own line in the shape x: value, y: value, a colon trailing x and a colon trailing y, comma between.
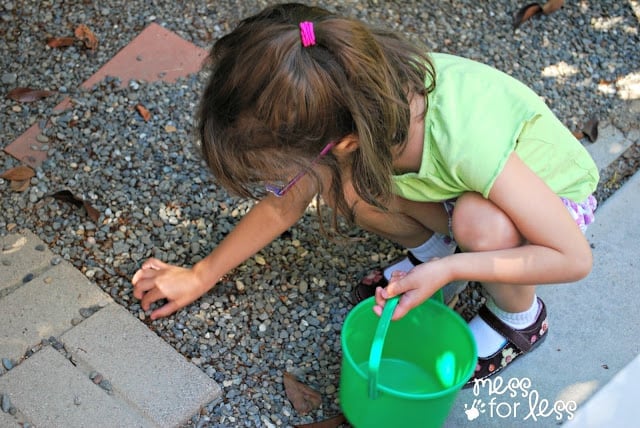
x: 271, y: 103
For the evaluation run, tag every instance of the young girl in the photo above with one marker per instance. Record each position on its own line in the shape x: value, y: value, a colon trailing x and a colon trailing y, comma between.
x: 414, y: 147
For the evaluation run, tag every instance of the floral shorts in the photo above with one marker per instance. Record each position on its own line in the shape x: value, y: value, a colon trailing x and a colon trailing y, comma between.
x: 582, y: 212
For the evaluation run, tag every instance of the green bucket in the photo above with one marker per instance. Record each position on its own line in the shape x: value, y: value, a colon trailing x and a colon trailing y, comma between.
x: 427, y: 356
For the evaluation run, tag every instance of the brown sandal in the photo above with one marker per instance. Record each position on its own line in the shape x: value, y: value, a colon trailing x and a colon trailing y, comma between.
x: 368, y: 284
x: 519, y: 342
x: 374, y: 279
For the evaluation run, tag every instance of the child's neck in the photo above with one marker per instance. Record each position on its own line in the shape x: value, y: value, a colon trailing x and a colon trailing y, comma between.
x: 410, y: 158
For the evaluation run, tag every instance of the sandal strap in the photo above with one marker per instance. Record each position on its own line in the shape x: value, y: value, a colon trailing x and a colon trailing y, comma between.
x: 517, y: 337
x: 413, y: 259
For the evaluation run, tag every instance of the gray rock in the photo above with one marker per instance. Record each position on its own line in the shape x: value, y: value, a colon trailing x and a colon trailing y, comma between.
x: 9, y: 78
x: 7, y: 363
x: 5, y: 403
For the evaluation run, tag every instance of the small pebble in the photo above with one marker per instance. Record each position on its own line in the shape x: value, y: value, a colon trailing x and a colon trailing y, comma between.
x: 97, y: 378
x: 5, y: 403
x: 41, y: 138
x: 106, y: 385
x: 28, y: 277
x: 7, y: 363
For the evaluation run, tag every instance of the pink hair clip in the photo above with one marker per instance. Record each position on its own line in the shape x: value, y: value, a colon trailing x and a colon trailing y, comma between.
x: 306, y: 34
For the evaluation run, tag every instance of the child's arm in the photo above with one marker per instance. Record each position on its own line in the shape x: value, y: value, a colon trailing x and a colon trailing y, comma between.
x: 556, y: 250
x: 262, y: 224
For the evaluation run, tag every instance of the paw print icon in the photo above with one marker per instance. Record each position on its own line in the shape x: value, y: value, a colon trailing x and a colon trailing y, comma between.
x: 476, y: 409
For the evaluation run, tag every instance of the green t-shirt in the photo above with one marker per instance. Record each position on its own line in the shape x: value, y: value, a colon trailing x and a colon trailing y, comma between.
x: 477, y: 116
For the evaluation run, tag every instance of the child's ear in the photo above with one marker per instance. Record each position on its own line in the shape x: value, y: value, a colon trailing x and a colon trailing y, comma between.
x: 346, y: 146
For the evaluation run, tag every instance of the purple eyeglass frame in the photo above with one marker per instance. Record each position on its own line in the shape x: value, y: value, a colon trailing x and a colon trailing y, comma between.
x: 280, y: 191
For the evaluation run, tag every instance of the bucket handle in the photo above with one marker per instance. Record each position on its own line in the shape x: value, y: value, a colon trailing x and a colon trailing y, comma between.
x: 378, y: 343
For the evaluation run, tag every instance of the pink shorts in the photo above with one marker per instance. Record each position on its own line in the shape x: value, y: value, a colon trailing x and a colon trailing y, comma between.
x: 582, y: 212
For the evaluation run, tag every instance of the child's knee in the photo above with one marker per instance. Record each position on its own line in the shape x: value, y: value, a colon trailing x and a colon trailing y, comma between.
x: 479, y: 225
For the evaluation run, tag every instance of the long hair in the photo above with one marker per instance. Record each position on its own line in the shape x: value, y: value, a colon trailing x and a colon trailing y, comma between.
x: 271, y: 104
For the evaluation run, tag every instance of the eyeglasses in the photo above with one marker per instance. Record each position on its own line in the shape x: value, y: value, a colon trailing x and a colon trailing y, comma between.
x: 281, y: 190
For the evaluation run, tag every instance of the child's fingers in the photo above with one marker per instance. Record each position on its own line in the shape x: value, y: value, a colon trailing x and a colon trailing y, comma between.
x: 141, y: 286
x: 154, y: 263
x: 380, y: 296
x: 151, y: 296
x: 165, y: 310
x: 395, y: 287
x: 404, y: 306
x: 141, y: 275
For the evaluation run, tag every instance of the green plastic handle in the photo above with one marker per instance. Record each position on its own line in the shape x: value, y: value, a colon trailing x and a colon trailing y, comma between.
x: 378, y: 343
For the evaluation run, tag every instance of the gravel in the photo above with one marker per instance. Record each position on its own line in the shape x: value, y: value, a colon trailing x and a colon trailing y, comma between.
x: 282, y: 310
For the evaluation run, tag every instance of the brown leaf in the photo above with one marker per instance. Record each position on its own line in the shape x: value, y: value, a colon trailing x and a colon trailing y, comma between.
x: 68, y: 197
x: 303, y: 398
x: 333, y: 422
x: 590, y: 129
x: 578, y: 134
x: 19, y: 173
x: 525, y: 13
x: 19, y: 185
x: 551, y: 6
x: 27, y: 95
x: 60, y: 42
x: 87, y: 37
x: 146, y: 115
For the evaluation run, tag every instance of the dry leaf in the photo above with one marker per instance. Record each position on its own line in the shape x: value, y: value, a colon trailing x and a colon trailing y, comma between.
x: 18, y: 173
x: 533, y: 9
x: 551, y: 6
x: 333, y: 422
x: 27, y: 95
x: 67, y: 196
x: 303, y: 398
x: 146, y: 115
x: 525, y: 13
x: 60, y: 42
x: 87, y: 37
x: 19, y: 185
x: 578, y: 134
x: 590, y: 129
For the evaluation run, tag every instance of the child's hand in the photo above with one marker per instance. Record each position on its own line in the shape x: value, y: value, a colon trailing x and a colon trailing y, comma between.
x: 414, y: 287
x: 157, y: 280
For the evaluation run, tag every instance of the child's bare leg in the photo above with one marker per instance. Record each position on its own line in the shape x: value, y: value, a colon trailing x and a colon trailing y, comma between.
x: 478, y: 225
x: 396, y: 224
x: 410, y: 224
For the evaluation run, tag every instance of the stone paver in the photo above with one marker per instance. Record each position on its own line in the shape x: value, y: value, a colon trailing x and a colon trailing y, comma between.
x: 143, y: 368
x: 44, y: 306
x: 18, y: 256
x: 153, y: 385
x: 6, y: 420
x: 59, y: 395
